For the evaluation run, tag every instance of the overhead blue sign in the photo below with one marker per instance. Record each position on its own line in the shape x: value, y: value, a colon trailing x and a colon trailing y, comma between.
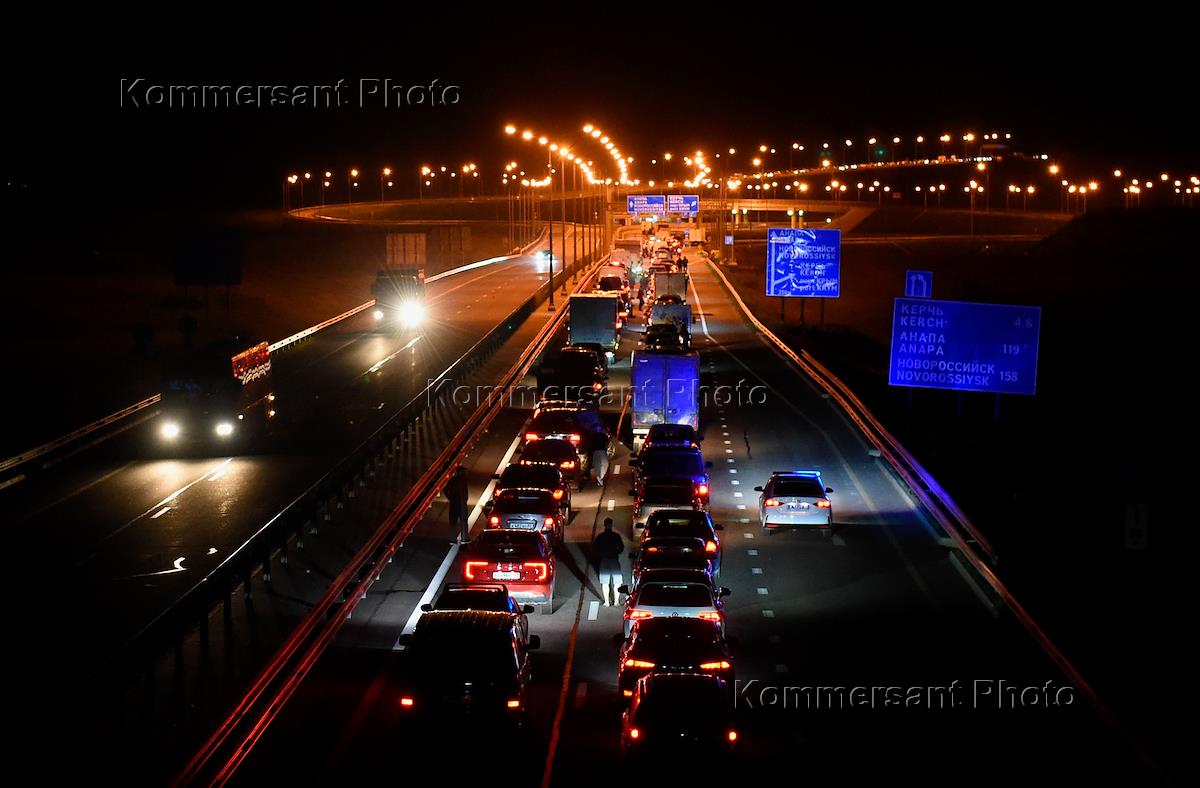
x: 804, y: 263
x: 918, y: 284
x: 683, y: 204
x: 655, y: 204
x: 964, y: 346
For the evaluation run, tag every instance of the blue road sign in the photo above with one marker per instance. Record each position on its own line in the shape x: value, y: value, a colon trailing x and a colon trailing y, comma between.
x: 683, y: 204
x: 918, y: 284
x: 728, y: 240
x: 964, y: 346
x: 655, y: 204
x: 804, y: 262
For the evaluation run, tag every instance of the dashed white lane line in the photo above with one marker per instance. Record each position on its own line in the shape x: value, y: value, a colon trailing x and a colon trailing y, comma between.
x: 729, y: 451
x: 593, y: 609
x: 768, y: 614
x: 160, y: 512
x: 751, y: 552
x: 740, y: 505
x: 616, y: 469
x: 838, y: 541
x: 729, y: 459
x: 727, y: 443
x: 734, y: 481
x: 737, y: 495
x: 743, y: 519
x: 761, y: 591
x: 733, y: 470
x: 612, y: 504
x: 756, y: 570
x: 581, y: 694
x: 747, y: 535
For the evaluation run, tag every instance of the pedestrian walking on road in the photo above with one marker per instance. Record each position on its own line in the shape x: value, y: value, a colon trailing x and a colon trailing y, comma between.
x: 456, y: 493
x: 607, y: 550
x: 598, y: 450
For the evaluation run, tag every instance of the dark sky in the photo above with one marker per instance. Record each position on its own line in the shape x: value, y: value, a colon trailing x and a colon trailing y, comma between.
x: 657, y: 85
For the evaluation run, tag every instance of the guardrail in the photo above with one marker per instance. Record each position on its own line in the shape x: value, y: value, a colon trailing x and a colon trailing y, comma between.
x: 58, y: 443
x: 949, y: 517
x: 221, y: 755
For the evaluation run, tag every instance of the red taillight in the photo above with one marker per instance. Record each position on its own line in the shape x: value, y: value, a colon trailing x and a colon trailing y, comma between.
x: 575, y: 437
x: 543, y: 569
x: 710, y: 546
x: 567, y: 464
x: 702, y: 489
x: 472, y: 566
x: 514, y: 704
x: 597, y: 386
x: 772, y: 502
x: 531, y: 436
x: 722, y: 665
x: 634, y: 733
x: 548, y: 522
x: 710, y: 615
x: 638, y: 615
x: 732, y: 736
x: 823, y: 504
x: 558, y: 494
x: 494, y: 519
x: 406, y: 702
x: 627, y: 693
x: 638, y: 663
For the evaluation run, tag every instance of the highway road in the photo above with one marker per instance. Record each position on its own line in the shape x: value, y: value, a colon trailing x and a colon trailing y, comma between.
x: 878, y: 603
x: 124, y: 531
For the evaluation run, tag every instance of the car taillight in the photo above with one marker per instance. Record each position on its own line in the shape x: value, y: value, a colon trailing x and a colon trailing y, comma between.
x: 575, y: 437
x: 732, y: 736
x: 543, y: 569
x: 823, y: 504
x: 548, y: 522
x: 634, y: 733
x: 722, y: 665
x: 702, y: 489
x: 638, y: 663
x: 710, y: 615
x: 568, y: 464
x: 494, y: 519
x: 627, y: 693
x: 638, y: 615
x: 710, y: 546
x: 531, y: 436
x: 406, y: 701
x: 558, y: 494
x: 597, y: 386
x: 772, y: 502
x: 472, y: 566
x: 514, y: 704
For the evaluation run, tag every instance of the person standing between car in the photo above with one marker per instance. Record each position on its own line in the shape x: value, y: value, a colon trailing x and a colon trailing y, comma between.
x: 607, y: 550
x: 598, y: 456
x: 456, y: 493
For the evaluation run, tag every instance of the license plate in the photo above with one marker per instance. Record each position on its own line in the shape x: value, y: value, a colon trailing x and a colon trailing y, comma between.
x: 506, y: 575
x: 799, y: 506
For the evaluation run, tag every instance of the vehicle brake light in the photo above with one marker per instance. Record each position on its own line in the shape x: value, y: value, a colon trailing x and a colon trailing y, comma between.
x: 702, y: 489
x: 732, y: 736
x: 558, y: 494
x: 638, y: 615
x: 549, y: 521
x: 494, y: 519
x: 597, y: 386
x: 472, y: 566
x: 575, y: 437
x: 531, y: 436
x: 567, y: 464
x: 406, y: 701
x: 722, y: 665
x: 627, y: 693
x: 543, y: 569
x: 772, y: 502
x: 710, y: 615
x: 634, y: 733
x: 514, y: 704
x: 710, y: 546
x: 638, y: 663
x: 823, y: 504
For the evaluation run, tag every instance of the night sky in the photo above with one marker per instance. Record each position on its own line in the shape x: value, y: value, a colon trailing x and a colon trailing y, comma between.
x: 656, y: 85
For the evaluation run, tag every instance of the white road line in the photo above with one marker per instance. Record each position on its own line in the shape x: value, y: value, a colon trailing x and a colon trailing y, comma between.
x: 733, y: 470
x: 761, y: 591
x: 756, y: 570
x: 616, y: 469
x: 593, y: 609
x: 160, y: 512
x: 748, y: 535
x: 612, y: 504
x: 768, y: 614
x: 752, y: 552
x: 737, y: 495
x: 734, y: 481
x: 740, y: 505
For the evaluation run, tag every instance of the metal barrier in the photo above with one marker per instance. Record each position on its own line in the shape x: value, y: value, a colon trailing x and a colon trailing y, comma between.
x: 281, y: 677
x: 950, y: 518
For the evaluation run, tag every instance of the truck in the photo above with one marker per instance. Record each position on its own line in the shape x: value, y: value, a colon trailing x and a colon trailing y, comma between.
x: 679, y: 314
x: 594, y: 317
x: 696, y: 236
x: 665, y: 283
x: 399, y: 293
x: 219, y: 396
x: 666, y: 389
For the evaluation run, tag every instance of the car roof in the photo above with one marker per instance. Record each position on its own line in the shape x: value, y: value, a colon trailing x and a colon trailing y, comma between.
x: 451, y: 623
x: 809, y: 474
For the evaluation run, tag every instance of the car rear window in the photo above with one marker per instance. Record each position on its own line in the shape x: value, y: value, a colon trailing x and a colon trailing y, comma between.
x: 529, y: 476
x: 552, y: 450
x: 671, y: 463
x: 677, y: 594
x: 669, y: 494
x: 555, y: 421
x: 800, y: 488
x: 611, y: 283
x: 505, y: 544
x: 472, y: 599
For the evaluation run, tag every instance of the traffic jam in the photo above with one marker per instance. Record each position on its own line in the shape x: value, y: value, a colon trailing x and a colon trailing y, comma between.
x: 470, y: 650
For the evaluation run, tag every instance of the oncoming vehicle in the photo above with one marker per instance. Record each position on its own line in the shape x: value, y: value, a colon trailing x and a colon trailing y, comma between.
x: 219, y: 396
x: 794, y: 498
x: 399, y: 294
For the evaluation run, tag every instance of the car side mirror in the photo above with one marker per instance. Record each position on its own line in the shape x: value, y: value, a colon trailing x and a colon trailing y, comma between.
x: 758, y: 488
x: 708, y: 464
x: 718, y: 527
x: 535, y: 643
x: 623, y: 589
x: 426, y: 607
x: 725, y: 591
x: 828, y: 489
x: 527, y: 609
x: 405, y: 640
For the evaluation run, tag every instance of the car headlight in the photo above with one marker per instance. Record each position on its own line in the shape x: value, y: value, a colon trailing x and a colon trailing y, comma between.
x: 170, y: 430
x: 412, y: 314
x: 224, y: 429
x: 379, y: 314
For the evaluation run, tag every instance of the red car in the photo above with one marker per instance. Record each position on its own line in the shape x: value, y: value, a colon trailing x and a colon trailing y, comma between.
x: 522, y: 560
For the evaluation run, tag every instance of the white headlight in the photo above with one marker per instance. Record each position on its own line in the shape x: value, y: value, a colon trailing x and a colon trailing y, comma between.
x: 412, y: 314
x: 379, y: 314
x: 170, y: 430
x: 224, y: 429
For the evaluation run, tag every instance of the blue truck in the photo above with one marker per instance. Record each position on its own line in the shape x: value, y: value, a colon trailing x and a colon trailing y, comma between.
x: 666, y: 389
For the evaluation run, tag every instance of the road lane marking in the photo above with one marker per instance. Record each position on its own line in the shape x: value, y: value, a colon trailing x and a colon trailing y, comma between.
x: 740, y: 505
x: 733, y: 470
x: 593, y: 609
x: 748, y: 535
x: 612, y: 504
x: 160, y: 512
x: 379, y: 364
x: 761, y: 591
x: 737, y: 495
x: 735, y: 481
x: 751, y: 552
x: 616, y: 469
x: 756, y: 570
x: 768, y: 614
x: 176, y: 568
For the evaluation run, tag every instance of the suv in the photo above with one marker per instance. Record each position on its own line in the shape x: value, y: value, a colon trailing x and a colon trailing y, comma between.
x: 522, y: 560
x: 665, y: 463
x: 679, y: 711
x: 557, y: 453
x: 686, y: 522
x: 675, y: 436
x: 654, y: 494
x: 791, y: 498
x: 687, y: 645
x: 467, y: 661
x: 520, y: 509
x: 578, y: 425
x: 536, y: 476
x: 662, y: 336
x: 481, y: 596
